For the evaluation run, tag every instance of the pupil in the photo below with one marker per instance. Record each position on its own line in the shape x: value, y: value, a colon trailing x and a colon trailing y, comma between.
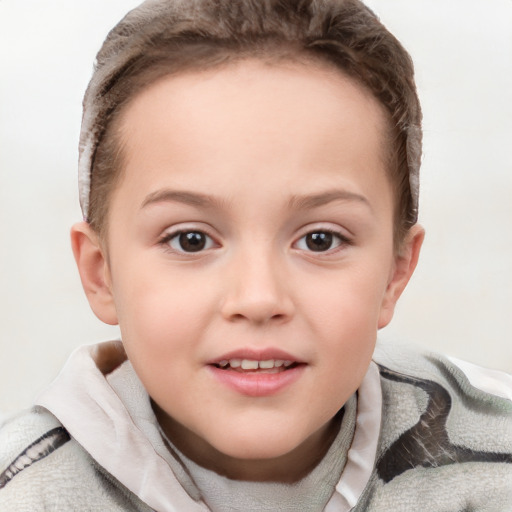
x: 318, y: 242
x: 192, y: 241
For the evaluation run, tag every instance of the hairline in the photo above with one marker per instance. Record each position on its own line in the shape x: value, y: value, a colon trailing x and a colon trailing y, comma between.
x: 293, y: 54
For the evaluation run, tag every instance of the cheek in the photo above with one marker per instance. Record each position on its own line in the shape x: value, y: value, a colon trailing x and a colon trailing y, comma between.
x: 348, y: 303
x: 161, y: 336
x: 158, y: 315
x: 344, y: 318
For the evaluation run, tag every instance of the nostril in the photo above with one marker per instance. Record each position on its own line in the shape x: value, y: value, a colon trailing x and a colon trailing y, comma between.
x: 257, y: 308
x: 237, y: 317
x: 263, y: 319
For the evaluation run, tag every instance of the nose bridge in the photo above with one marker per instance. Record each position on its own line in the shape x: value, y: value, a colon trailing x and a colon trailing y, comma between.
x: 257, y: 291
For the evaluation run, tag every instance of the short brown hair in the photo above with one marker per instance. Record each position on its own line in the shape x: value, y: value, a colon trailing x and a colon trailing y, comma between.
x: 163, y: 37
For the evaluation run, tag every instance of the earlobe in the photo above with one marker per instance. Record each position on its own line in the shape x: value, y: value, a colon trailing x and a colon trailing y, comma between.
x: 94, y: 272
x: 405, y: 263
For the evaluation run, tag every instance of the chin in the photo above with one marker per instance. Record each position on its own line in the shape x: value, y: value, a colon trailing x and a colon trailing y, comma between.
x: 251, y: 444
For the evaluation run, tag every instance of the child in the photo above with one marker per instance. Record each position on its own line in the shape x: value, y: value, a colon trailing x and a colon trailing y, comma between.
x: 249, y: 180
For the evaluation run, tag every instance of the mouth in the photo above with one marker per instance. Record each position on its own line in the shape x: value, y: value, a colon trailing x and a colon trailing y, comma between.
x: 256, y: 366
x: 257, y: 373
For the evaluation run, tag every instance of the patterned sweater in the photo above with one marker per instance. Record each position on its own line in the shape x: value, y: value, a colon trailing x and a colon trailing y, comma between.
x: 425, y: 435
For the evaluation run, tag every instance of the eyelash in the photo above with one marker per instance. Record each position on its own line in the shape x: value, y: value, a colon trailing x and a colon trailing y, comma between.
x: 329, y: 235
x: 167, y: 239
x: 342, y: 241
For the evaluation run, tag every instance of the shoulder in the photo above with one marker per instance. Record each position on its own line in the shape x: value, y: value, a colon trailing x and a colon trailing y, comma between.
x: 462, y: 402
x: 29, y: 443
x: 26, y: 439
x: 464, y: 385
x: 43, y: 468
x: 446, y: 429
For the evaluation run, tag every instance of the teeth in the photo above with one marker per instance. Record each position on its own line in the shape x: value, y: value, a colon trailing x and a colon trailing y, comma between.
x: 252, y: 364
x: 248, y: 364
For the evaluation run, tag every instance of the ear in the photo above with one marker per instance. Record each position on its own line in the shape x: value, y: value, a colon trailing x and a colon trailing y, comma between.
x: 94, y: 271
x: 403, y: 268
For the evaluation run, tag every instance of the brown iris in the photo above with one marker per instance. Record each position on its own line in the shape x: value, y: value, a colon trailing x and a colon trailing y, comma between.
x: 192, y: 241
x: 319, y: 241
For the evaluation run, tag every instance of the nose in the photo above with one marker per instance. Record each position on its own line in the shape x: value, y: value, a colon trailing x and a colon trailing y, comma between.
x: 257, y: 291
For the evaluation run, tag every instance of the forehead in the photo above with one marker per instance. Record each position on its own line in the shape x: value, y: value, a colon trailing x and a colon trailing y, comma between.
x: 256, y: 122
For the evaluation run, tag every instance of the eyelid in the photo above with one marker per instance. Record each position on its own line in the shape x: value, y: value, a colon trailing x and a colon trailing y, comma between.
x: 344, y: 237
x: 181, y: 227
x: 328, y: 227
x: 173, y: 231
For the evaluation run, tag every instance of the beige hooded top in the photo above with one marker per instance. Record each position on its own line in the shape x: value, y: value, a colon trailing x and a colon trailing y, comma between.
x: 439, y: 444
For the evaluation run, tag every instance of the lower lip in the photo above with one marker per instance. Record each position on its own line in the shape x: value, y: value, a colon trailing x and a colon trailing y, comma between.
x: 257, y: 384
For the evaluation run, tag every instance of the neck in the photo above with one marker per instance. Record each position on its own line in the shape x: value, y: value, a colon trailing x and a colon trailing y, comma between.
x: 288, y: 468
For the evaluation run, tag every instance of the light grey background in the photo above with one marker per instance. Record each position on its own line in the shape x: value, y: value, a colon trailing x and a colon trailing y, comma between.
x: 460, y: 300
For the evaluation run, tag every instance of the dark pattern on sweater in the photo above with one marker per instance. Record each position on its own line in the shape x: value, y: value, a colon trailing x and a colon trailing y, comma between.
x: 427, y: 443
x: 35, y: 452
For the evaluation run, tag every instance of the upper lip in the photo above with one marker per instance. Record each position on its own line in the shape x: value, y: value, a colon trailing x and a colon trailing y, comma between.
x: 264, y: 354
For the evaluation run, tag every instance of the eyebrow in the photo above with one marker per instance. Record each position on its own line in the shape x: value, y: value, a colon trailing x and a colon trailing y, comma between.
x: 182, y: 196
x: 299, y: 202
x: 310, y: 201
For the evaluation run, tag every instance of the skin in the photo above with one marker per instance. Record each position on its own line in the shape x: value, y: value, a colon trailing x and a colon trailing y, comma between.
x: 256, y: 156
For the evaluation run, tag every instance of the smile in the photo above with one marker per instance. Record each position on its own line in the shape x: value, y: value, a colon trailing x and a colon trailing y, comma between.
x: 267, y: 366
x: 257, y: 374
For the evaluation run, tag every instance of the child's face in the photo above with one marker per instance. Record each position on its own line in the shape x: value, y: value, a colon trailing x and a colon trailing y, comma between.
x: 254, y: 222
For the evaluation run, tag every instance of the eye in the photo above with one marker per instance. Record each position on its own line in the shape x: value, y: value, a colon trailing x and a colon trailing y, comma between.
x: 321, y: 241
x: 188, y: 241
